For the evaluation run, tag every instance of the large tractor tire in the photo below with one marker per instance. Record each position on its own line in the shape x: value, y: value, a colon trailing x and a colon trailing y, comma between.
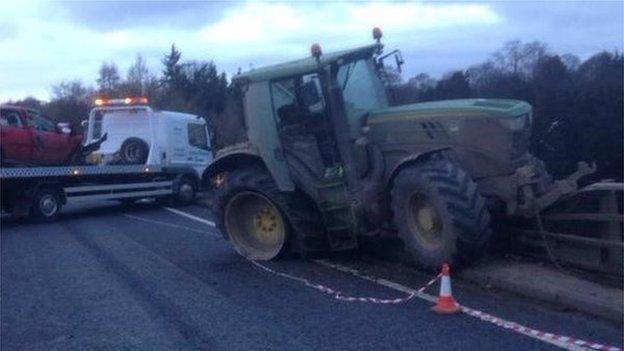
x: 134, y: 151
x: 262, y: 222
x: 439, y: 214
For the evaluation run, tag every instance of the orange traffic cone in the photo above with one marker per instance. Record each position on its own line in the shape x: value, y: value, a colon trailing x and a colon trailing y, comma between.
x: 446, y: 303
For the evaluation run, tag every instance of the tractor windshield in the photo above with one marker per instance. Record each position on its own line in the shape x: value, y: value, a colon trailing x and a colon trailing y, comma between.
x: 361, y: 88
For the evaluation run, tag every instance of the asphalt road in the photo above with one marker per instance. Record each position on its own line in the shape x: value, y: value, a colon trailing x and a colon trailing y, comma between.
x: 105, y: 277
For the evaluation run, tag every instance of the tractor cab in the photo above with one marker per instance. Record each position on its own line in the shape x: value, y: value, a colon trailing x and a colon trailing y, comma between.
x: 314, y: 107
x: 300, y: 89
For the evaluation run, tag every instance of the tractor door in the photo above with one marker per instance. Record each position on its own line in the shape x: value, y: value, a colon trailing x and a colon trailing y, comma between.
x: 310, y: 148
x: 301, y: 116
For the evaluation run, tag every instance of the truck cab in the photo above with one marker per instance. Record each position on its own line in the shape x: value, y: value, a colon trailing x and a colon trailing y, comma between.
x: 137, y: 134
x: 29, y: 138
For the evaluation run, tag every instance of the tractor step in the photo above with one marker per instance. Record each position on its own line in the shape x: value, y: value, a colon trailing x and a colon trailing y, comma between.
x: 333, y: 207
x: 337, y: 215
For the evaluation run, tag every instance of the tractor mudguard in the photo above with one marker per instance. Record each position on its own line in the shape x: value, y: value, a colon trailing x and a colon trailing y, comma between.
x: 411, y: 159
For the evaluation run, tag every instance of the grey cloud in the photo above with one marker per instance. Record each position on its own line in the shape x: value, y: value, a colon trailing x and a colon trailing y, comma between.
x: 581, y: 28
x: 116, y: 15
x: 562, y: 13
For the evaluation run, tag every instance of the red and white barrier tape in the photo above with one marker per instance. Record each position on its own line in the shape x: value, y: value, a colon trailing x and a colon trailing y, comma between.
x: 338, y: 295
x: 561, y: 339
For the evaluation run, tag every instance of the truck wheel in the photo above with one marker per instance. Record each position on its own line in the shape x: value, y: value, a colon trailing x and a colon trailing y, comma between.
x: 46, y: 205
x: 262, y: 222
x: 187, y: 190
x: 439, y: 214
x: 134, y: 151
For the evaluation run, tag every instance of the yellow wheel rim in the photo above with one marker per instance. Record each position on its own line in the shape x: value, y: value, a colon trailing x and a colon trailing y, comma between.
x: 424, y: 220
x: 255, y: 225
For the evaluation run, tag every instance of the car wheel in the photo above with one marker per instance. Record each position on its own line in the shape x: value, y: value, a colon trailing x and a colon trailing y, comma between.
x: 187, y: 190
x: 134, y: 151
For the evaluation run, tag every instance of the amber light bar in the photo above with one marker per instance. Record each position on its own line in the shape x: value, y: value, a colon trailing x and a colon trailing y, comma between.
x: 122, y: 102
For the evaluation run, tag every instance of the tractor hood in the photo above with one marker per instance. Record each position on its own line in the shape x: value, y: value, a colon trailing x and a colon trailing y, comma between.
x: 464, y: 108
x: 490, y: 136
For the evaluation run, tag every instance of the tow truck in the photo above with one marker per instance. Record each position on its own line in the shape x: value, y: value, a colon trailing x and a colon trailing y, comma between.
x: 41, y: 192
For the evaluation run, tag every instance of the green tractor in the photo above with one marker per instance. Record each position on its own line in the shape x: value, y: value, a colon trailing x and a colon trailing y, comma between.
x: 327, y: 160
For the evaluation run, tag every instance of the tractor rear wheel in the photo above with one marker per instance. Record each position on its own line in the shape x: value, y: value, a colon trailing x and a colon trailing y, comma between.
x: 439, y: 214
x: 263, y: 222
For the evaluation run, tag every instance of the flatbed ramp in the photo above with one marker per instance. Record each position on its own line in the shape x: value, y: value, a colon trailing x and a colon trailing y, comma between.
x: 34, y: 172
x: 42, y: 191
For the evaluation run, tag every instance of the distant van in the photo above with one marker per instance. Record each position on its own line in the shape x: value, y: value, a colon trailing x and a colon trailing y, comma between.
x: 136, y: 134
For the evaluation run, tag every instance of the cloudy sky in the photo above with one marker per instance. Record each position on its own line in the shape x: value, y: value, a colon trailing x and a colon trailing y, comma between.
x: 45, y: 42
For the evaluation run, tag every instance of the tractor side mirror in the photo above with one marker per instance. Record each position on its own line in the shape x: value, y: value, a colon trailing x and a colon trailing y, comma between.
x: 398, y: 60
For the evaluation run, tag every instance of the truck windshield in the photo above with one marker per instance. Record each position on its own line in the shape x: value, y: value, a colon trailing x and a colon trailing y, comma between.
x: 361, y: 88
x: 96, y: 126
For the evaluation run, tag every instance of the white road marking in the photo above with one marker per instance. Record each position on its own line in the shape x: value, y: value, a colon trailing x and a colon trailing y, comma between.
x: 163, y: 223
x: 429, y: 298
x: 187, y: 215
x: 389, y: 284
x: 380, y: 281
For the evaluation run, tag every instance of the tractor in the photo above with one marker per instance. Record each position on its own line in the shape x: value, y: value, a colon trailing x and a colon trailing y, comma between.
x: 326, y: 160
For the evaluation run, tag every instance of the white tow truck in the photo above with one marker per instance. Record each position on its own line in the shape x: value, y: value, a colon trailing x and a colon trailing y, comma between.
x: 167, y: 155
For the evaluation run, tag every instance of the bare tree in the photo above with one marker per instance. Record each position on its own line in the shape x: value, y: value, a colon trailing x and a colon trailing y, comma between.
x: 138, y: 77
x: 71, y: 91
x: 572, y: 62
x: 71, y: 101
x: 518, y: 58
x: 422, y: 81
x: 108, y: 80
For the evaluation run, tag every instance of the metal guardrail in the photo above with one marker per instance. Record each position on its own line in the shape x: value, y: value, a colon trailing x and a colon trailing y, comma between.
x: 585, y: 229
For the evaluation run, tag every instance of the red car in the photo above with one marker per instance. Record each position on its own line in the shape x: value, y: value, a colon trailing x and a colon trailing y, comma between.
x: 28, y: 138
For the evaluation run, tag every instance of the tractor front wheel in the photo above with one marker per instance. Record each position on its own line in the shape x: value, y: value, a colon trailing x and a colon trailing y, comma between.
x: 263, y: 222
x: 439, y: 214
x: 255, y: 225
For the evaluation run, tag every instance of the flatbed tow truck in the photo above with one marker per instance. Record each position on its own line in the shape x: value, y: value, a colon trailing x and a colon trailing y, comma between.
x: 41, y: 192
x: 170, y: 173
